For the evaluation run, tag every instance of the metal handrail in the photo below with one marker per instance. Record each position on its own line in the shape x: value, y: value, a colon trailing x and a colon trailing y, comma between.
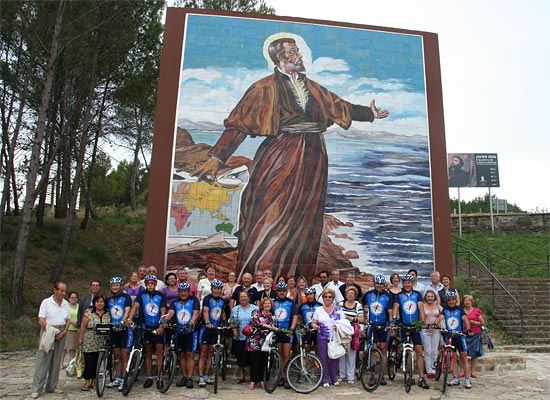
x: 493, y: 280
x: 500, y: 256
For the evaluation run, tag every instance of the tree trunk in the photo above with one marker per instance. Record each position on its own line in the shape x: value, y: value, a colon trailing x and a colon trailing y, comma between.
x: 58, y: 270
x: 135, y: 166
x: 16, y: 289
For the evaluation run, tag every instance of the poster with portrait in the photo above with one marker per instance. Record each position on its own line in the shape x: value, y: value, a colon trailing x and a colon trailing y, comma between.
x: 298, y: 146
x: 473, y: 170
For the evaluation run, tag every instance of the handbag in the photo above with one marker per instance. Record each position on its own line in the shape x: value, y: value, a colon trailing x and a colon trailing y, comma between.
x: 79, y: 367
x: 335, y: 349
x: 355, y: 339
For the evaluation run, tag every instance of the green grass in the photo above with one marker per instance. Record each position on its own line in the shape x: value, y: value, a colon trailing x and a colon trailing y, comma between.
x: 524, y: 255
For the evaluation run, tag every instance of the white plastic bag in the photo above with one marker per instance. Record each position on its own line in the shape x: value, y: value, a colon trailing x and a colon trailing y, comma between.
x: 71, y: 368
x: 267, y: 342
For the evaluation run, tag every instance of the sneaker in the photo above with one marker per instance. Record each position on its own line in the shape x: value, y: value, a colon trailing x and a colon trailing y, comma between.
x: 326, y: 385
x: 461, y: 375
x: 281, y: 382
x: 467, y: 383
x: 474, y: 376
x: 160, y: 384
x: 383, y: 381
x: 189, y: 384
x: 148, y: 382
x: 182, y: 382
x: 113, y: 384
x: 57, y: 391
x: 351, y: 382
x: 121, y: 386
x: 202, y: 381
x: 454, y: 382
x: 209, y: 379
x: 35, y: 395
x: 287, y: 385
x: 337, y: 383
x: 423, y: 384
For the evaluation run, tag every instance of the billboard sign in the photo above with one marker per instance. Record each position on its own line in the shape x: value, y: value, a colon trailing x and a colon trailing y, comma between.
x: 473, y: 170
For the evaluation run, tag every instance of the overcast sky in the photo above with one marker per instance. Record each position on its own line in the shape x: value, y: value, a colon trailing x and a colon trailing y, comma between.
x: 495, y: 63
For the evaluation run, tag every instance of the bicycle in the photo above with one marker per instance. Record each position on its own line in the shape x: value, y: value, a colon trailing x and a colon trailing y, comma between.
x: 135, y: 361
x: 272, y: 371
x: 105, y: 362
x: 304, y: 371
x: 371, y: 365
x: 220, y: 356
x: 168, y: 368
x: 408, y: 355
x: 445, y: 358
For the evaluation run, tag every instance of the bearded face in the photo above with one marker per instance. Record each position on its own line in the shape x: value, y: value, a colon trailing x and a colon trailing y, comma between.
x: 292, y: 61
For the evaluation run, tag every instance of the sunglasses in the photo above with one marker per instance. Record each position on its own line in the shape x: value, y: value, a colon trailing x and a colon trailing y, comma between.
x: 327, y: 297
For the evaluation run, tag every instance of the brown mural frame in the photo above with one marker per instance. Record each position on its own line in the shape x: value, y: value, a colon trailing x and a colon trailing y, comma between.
x: 154, y: 247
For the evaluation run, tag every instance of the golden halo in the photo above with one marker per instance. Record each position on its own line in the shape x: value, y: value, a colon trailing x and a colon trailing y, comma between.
x: 305, y: 51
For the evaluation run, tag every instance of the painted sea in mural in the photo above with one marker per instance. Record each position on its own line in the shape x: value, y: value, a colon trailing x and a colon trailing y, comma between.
x: 382, y: 186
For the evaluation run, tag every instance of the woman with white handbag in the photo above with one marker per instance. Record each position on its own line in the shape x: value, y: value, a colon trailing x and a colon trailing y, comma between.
x: 324, y: 321
x: 262, y: 322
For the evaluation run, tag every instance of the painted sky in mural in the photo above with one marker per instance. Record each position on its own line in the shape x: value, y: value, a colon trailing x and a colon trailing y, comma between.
x: 379, y: 177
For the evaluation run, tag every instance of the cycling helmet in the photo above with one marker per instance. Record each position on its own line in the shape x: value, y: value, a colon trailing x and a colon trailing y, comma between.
x: 310, y: 289
x: 380, y: 279
x: 451, y: 295
x: 184, y: 286
x: 216, y: 283
x: 116, y: 279
x: 150, y: 277
x: 281, y: 286
x: 408, y: 277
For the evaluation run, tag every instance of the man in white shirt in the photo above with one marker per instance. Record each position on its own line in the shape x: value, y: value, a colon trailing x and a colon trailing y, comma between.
x: 54, y: 312
x: 435, y: 283
x: 259, y: 278
x: 419, y: 287
x: 335, y: 284
x: 319, y: 287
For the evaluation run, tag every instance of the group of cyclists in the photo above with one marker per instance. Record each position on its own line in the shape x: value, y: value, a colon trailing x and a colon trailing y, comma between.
x: 194, y: 323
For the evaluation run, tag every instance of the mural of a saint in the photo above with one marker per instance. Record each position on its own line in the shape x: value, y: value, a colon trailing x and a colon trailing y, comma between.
x: 283, y: 206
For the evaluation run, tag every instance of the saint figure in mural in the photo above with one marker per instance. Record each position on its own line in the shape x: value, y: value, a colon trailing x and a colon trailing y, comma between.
x: 282, y: 208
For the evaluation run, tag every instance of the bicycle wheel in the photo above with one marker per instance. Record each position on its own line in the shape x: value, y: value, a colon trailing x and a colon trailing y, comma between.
x: 372, y: 370
x: 224, y: 363
x: 438, y: 365
x: 167, y: 372
x: 101, y: 372
x: 111, y: 366
x: 408, y: 375
x: 446, y: 369
x: 132, y: 374
x: 304, y: 373
x: 216, y: 367
x: 272, y: 371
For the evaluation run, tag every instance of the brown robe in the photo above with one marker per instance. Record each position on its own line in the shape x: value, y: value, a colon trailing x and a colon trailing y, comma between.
x: 283, y: 205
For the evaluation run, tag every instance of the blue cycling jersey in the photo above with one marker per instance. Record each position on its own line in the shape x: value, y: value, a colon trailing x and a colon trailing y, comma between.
x: 378, y: 305
x: 215, y: 308
x: 284, y: 310
x: 117, y: 306
x: 307, y: 310
x: 150, y: 304
x: 453, y: 318
x: 183, y: 310
x: 408, y: 306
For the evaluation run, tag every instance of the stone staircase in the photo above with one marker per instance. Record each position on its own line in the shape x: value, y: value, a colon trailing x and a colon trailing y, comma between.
x: 534, y: 296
